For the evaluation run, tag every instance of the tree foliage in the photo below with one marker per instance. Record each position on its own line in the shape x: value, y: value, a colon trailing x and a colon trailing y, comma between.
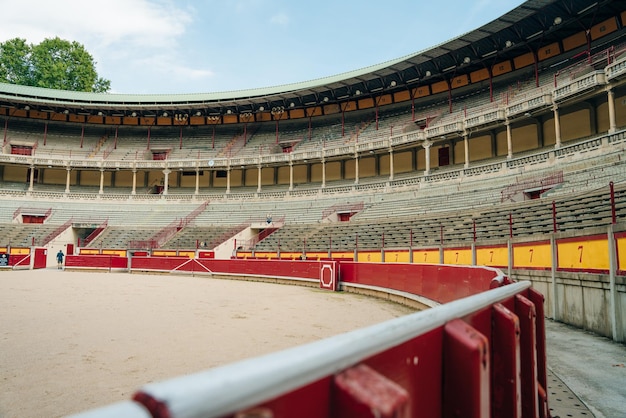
x: 54, y: 63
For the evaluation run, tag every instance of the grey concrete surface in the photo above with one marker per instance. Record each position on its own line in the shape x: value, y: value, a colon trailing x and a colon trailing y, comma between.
x: 592, y: 367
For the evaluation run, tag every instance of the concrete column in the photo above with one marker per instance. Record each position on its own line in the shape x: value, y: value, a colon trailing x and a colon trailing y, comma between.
x: 466, y: 146
x: 323, y: 173
x: 197, y: 182
x: 166, y: 180
x: 427, y: 144
x: 611, y: 103
x: 616, y: 316
x: 554, y: 288
x: 509, y: 246
x: 67, y: 180
x: 101, y: 181
x: 32, y: 178
x: 391, y: 168
x: 509, y: 140
x: 227, y: 180
x: 356, y: 168
x: 258, y: 179
x: 473, y: 253
x: 290, y: 175
x: 134, y: 191
x: 557, y: 127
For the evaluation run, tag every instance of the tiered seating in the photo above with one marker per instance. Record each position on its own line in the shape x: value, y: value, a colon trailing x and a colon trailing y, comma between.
x: 199, y: 236
x: 24, y: 235
x: 521, y: 219
x: 120, y: 236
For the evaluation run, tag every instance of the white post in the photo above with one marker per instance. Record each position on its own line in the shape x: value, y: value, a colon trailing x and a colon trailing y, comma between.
x: 197, y: 181
x: 101, y: 181
x: 509, y: 140
x: 557, y: 127
x: 356, y: 168
x: 611, y: 103
x: 166, y: 180
x: 67, y: 180
x: 134, y: 191
x: 616, y: 317
x: 427, y: 146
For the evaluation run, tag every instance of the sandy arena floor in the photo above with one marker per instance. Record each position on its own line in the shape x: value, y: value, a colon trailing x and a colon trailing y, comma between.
x: 72, y: 341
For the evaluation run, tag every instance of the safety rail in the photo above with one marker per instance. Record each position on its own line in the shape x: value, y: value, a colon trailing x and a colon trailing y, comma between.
x: 168, y: 231
x: 343, y: 207
x: 540, y: 183
x: 480, y: 355
x: 56, y: 232
x: 87, y: 240
x: 271, y: 227
x: 525, y: 101
x: 45, y: 213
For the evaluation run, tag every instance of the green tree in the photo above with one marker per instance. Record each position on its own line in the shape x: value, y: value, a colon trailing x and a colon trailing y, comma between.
x: 54, y: 63
x: 15, y: 62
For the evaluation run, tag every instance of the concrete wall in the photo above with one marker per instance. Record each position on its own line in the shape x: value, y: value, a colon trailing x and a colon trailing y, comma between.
x: 582, y: 300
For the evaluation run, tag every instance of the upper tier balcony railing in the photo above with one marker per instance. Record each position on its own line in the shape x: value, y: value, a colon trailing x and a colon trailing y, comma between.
x: 453, y: 124
x: 580, y: 85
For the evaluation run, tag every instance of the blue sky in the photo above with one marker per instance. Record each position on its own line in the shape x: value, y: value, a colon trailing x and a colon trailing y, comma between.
x: 186, y: 46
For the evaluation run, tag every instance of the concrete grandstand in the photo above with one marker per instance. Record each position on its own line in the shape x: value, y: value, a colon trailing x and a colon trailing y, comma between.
x: 502, y: 148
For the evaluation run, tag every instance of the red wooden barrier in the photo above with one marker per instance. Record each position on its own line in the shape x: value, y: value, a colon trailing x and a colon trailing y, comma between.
x: 480, y: 354
x: 442, y: 283
x: 96, y: 261
x: 19, y: 260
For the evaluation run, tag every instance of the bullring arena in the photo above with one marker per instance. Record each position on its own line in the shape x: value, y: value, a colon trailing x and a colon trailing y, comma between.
x: 481, y: 182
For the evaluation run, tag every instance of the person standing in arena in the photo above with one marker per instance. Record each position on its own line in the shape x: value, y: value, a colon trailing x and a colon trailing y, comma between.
x: 60, y: 256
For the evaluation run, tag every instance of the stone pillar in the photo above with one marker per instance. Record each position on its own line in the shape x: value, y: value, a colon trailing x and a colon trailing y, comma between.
x: 32, y: 178
x: 391, y: 168
x: 197, y: 181
x: 101, y: 181
x: 290, y: 175
x: 228, y: 180
x: 557, y: 127
x: 134, y: 191
x: 509, y: 140
x: 427, y: 144
x: 466, y: 148
x: 258, y: 181
x: 356, y: 168
x: 323, y: 173
x: 67, y: 179
x: 611, y: 103
x: 166, y: 180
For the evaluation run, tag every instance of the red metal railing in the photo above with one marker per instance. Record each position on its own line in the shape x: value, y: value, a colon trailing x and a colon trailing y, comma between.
x: 56, y: 232
x: 542, y: 182
x: 168, y: 231
x: 94, y: 233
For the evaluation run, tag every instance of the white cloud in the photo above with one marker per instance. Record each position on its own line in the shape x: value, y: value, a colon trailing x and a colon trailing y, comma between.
x: 140, y: 22
x: 280, y: 19
x: 134, y: 35
x: 165, y: 66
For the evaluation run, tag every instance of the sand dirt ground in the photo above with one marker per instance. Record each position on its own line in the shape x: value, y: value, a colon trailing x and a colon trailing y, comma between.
x: 72, y: 341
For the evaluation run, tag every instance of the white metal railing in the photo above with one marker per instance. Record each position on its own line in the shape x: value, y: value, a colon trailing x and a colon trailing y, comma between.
x: 525, y: 101
x: 544, y: 156
x: 579, y: 85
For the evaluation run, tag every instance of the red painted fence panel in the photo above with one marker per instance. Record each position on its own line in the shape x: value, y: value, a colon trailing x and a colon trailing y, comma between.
x: 433, y: 281
x: 96, y: 262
